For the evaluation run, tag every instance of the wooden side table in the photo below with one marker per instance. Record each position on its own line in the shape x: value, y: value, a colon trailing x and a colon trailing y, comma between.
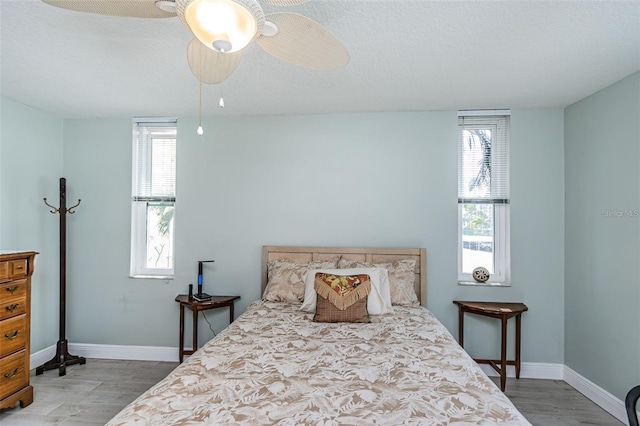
x: 214, y: 303
x: 501, y: 311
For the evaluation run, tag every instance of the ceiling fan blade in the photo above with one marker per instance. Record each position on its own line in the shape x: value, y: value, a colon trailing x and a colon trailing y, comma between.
x: 132, y: 8
x: 210, y: 66
x: 302, y: 41
x: 284, y: 2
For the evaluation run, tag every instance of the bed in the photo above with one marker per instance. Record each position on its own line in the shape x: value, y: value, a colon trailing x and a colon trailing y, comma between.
x: 275, y: 365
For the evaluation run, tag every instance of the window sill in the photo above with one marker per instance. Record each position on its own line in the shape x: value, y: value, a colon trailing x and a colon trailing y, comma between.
x: 152, y: 277
x: 487, y: 284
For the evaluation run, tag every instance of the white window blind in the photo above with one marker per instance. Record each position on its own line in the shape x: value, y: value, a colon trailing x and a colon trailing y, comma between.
x: 483, y: 155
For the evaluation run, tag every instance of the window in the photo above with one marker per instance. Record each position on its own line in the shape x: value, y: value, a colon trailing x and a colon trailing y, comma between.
x: 483, y: 195
x: 153, y: 197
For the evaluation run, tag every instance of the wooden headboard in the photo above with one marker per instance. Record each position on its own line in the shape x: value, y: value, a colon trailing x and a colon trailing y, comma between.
x: 371, y: 255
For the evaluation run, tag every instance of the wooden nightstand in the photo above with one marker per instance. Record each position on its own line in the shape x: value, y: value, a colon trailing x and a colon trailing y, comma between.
x: 502, y: 311
x: 196, y: 306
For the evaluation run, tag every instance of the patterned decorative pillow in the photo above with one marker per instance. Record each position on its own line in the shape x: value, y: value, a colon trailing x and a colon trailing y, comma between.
x: 378, y: 300
x: 401, y: 278
x: 341, y: 298
x: 285, y: 278
x: 327, y: 312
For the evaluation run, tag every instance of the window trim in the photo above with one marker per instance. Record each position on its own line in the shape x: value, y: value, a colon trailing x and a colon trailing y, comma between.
x: 501, y: 277
x: 139, y: 205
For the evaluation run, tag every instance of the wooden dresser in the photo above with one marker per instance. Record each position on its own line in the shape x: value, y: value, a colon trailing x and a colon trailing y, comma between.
x: 16, y: 269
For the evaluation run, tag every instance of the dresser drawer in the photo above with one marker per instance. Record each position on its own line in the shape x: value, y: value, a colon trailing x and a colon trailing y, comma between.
x: 18, y: 268
x: 13, y: 374
x: 11, y: 307
x: 13, y: 333
x: 13, y: 289
x: 13, y: 269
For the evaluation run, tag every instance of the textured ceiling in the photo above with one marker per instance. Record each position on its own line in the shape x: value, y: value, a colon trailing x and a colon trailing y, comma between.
x: 405, y: 55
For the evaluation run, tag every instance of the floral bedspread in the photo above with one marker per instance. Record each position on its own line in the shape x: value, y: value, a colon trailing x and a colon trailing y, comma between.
x: 273, y: 365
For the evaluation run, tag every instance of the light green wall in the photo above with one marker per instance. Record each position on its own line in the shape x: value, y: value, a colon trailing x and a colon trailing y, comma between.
x: 108, y: 307
x: 602, y: 285
x: 375, y: 179
x: 30, y: 168
x: 537, y: 245
x: 379, y: 179
x: 273, y: 180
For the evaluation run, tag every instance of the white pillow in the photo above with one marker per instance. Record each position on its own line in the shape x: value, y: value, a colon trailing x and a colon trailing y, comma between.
x: 378, y: 301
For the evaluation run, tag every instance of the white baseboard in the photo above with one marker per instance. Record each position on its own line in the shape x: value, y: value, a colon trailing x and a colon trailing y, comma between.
x: 595, y: 393
x: 40, y: 357
x: 138, y: 353
x: 530, y: 370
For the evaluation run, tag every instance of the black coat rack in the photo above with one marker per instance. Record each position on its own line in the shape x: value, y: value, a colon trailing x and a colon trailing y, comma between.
x: 62, y: 357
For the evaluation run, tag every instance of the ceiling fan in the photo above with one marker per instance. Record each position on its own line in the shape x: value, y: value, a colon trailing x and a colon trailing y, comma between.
x: 223, y: 28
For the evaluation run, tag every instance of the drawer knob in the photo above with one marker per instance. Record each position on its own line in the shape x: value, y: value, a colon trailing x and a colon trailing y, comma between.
x: 11, y: 308
x: 12, y: 374
x: 20, y: 267
x: 11, y: 336
x: 12, y: 289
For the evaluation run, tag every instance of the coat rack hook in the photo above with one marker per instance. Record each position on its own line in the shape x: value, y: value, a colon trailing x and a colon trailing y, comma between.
x: 53, y: 209
x: 70, y: 209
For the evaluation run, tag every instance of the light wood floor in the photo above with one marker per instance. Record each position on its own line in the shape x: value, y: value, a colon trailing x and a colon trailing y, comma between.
x: 92, y: 394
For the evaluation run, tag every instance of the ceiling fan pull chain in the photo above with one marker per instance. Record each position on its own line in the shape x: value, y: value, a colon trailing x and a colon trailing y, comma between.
x: 221, y: 103
x: 200, y: 131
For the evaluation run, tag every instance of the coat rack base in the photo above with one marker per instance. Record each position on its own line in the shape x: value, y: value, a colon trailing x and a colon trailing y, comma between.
x: 61, y: 360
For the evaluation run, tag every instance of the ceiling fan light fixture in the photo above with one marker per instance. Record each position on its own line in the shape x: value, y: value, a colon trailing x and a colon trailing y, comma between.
x: 223, y: 23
